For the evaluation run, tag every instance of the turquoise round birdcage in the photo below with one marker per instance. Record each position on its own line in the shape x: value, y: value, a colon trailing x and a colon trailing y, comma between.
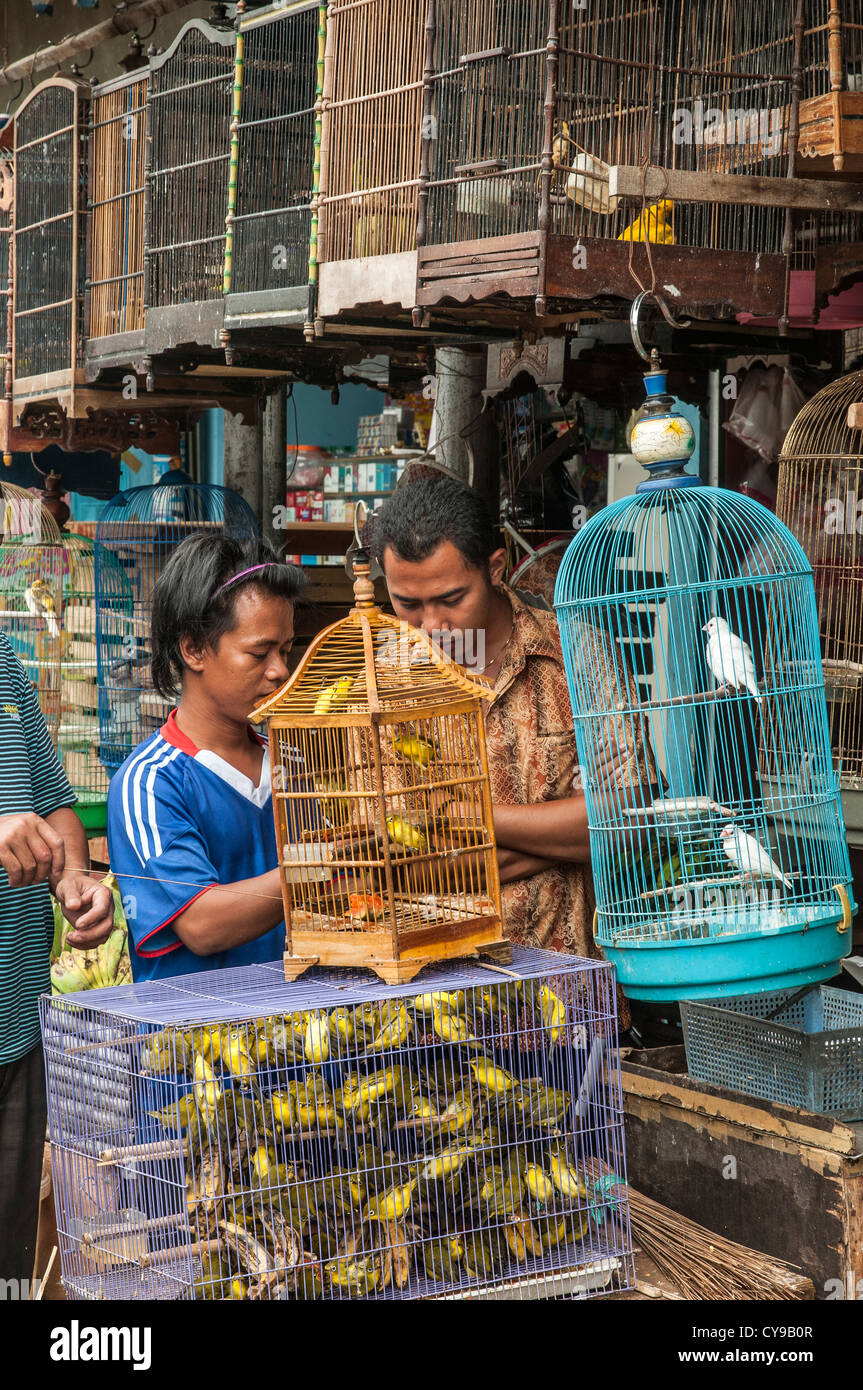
x: 716, y: 833
x: 138, y: 533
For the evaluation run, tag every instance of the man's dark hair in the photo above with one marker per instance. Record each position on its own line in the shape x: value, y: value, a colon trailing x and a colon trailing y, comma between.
x: 186, y: 602
x: 421, y: 515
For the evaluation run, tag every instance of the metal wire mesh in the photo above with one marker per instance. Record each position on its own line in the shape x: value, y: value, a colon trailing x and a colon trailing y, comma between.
x: 191, y: 94
x: 820, y: 498
x: 745, y: 752
x: 136, y: 536
x: 808, y: 1053
x: 78, y: 735
x: 31, y: 593
x: 230, y: 1135
x: 49, y: 199
x: 370, y: 157
x: 117, y: 147
x: 685, y: 86
x: 276, y: 150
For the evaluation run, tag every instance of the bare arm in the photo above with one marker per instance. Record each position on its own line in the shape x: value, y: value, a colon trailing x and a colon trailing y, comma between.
x: 550, y: 830
x: 230, y: 915
x: 88, y: 905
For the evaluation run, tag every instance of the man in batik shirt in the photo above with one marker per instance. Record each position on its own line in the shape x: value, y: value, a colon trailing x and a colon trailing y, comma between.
x: 444, y: 570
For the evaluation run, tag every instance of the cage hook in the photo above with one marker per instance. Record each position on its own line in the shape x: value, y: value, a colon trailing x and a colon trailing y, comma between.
x: 635, y: 313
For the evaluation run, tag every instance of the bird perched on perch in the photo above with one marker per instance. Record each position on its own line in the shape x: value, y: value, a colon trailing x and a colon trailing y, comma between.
x: 333, y: 695
x: 652, y: 225
x: 40, y: 602
x: 730, y: 659
x: 749, y: 857
x: 401, y: 832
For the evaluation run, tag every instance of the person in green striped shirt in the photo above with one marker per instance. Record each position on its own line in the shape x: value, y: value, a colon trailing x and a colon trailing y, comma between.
x: 43, y: 846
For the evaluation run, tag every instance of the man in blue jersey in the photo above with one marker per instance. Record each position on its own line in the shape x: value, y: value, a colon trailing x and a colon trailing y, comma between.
x: 190, y: 819
x: 42, y: 845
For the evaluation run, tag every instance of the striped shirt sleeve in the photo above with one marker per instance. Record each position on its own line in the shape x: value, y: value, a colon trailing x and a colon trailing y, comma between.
x: 51, y: 788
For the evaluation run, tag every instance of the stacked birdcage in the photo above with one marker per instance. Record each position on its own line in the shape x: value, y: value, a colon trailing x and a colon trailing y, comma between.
x: 717, y: 842
x: 31, y: 593
x: 115, y: 270
x: 135, y: 537
x: 49, y: 240
x: 382, y: 800
x: 832, y: 105
x: 333, y: 1138
x: 271, y: 251
x: 529, y: 105
x: 189, y: 108
x: 78, y: 733
x: 370, y: 152
x: 820, y: 498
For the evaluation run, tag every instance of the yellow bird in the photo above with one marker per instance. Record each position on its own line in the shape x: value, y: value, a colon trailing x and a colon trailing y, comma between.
x: 333, y: 695
x: 415, y: 749
x: 654, y: 225
x: 208, y: 1092
x: 40, y: 602
x: 401, y: 832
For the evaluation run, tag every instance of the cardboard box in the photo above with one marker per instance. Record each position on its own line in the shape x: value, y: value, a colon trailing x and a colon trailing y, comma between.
x: 335, y: 511
x: 367, y: 477
x: 333, y: 478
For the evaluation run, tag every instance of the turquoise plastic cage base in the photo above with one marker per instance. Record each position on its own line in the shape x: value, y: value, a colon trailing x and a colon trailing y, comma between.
x: 724, y: 969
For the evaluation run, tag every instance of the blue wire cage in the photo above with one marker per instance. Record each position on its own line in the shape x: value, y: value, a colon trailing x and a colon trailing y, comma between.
x: 139, y: 531
x: 717, y: 842
x: 235, y: 1135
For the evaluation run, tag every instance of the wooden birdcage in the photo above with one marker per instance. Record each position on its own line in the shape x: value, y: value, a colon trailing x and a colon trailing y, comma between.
x: 48, y: 243
x: 371, y: 153
x: 31, y: 593
x: 270, y: 254
x: 189, y: 108
x: 831, y: 112
x: 551, y: 127
x: 382, y: 801
x: 820, y: 499
x: 115, y: 259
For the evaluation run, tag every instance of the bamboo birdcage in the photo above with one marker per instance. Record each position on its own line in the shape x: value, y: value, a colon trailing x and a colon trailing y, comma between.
x: 189, y: 108
x: 118, y: 139
x: 820, y: 499
x: 48, y: 242
x: 372, y: 740
x: 31, y: 593
x: 531, y: 102
x: 830, y: 138
x: 271, y: 249
x: 371, y: 152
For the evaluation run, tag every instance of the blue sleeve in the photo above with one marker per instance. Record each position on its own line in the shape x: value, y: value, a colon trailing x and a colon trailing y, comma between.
x: 158, y: 855
x: 51, y: 788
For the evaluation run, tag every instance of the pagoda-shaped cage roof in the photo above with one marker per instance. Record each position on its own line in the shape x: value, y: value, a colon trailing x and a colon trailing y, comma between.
x: 369, y: 663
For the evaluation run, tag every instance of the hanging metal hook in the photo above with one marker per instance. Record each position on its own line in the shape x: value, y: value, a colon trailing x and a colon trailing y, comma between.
x: 635, y: 313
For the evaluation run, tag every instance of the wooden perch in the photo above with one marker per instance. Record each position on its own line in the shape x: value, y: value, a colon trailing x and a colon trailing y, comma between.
x: 747, y: 190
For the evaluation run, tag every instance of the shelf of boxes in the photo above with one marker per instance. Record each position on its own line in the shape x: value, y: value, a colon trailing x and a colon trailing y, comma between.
x: 321, y: 519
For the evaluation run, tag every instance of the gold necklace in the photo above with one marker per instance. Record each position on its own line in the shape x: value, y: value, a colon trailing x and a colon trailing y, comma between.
x: 496, y: 658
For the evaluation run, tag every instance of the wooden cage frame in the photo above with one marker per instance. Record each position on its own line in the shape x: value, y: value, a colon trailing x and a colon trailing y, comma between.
x: 114, y: 301
x: 395, y: 952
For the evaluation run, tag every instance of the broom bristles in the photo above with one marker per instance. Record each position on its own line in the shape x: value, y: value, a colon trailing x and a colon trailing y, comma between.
x: 702, y: 1264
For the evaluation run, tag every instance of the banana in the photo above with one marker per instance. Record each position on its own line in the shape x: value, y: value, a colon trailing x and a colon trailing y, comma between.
x: 492, y: 1079
x: 316, y: 1038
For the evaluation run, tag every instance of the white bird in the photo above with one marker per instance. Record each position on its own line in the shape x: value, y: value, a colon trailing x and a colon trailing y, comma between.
x: 729, y: 658
x: 749, y: 857
x: 40, y: 602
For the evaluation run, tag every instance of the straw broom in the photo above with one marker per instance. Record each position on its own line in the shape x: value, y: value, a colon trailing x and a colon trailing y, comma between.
x: 701, y: 1264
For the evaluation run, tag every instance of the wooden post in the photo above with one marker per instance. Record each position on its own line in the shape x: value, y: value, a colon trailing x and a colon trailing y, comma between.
x: 547, y: 174
x: 274, y: 463
x: 793, y: 139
